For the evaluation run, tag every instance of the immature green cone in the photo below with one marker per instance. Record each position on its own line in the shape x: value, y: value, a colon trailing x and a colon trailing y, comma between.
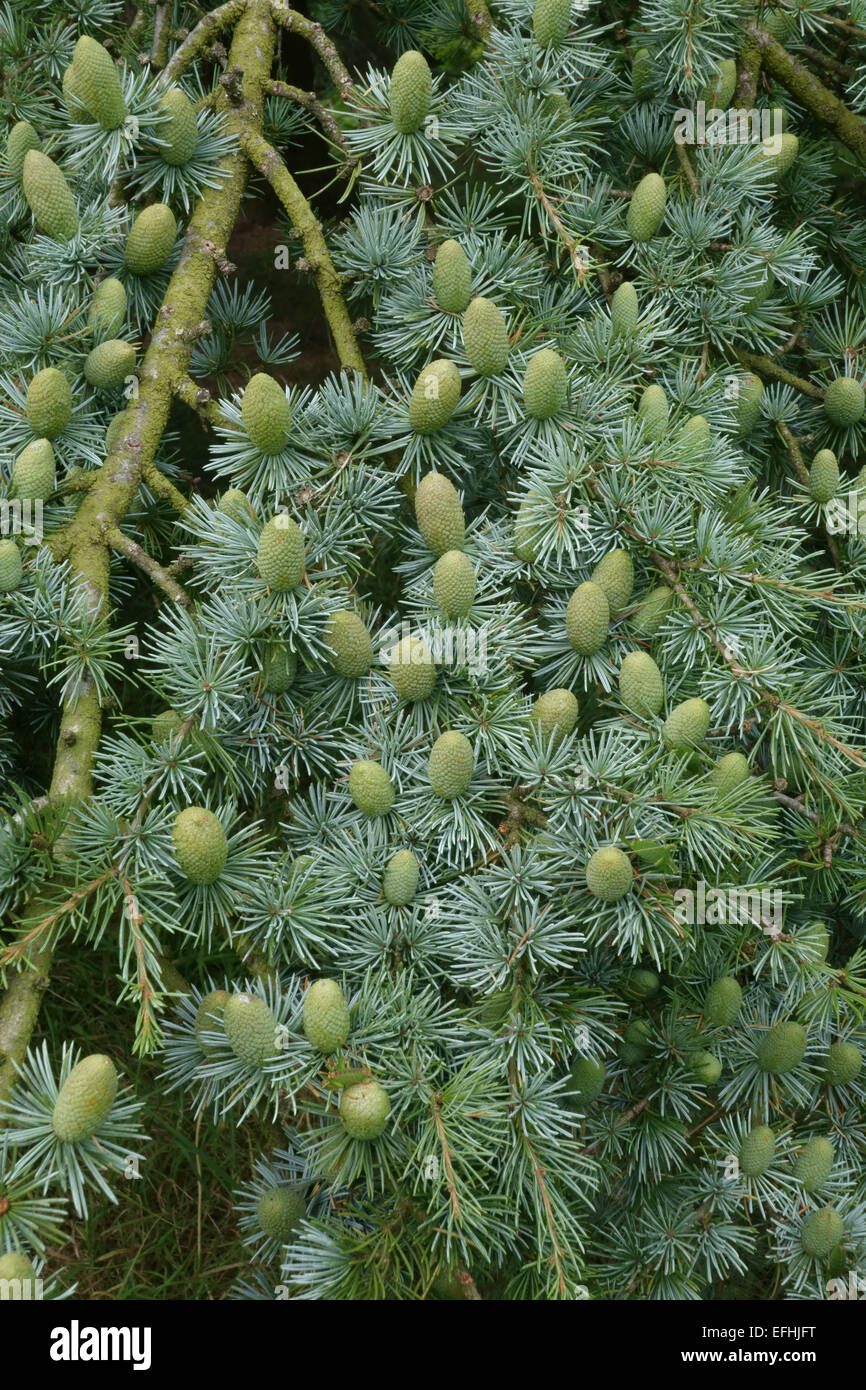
x: 641, y: 984
x: 49, y: 403
x: 439, y: 514
x: 635, y: 1042
x: 609, y: 874
x: 550, y: 21
x: 757, y: 1151
x: 485, y: 337
x: 350, y: 643
x: 814, y: 1163
x: 642, y: 75
x: 452, y: 277
x: 842, y: 1064
x: 652, y: 610
x: 72, y: 97
x: 687, y: 724
x: 614, y: 573
x: 114, y: 430
x: 816, y: 935
x: 33, y: 472
x: 107, y: 307
x: 98, y: 81
x: 587, y: 618
x: 720, y: 88
x: 85, y: 1099
x: 545, y: 384
x: 653, y: 410
x: 779, y: 153
x: 781, y: 1049
x: 107, y: 366
x: 844, y: 400
x: 14, y: 1265
x: 210, y: 1018
x: 179, y: 134
x: 646, y: 209
x: 364, y: 1109
x: 200, y: 844
x: 151, y: 239
x: 696, y: 432
x: 585, y: 1082
x: 722, y: 1002
x: 748, y: 411
x: 371, y: 788
x: 49, y: 196
x: 704, y: 1067
x: 844, y: 403
x: 236, y: 504
x: 641, y: 687
x: 400, y: 881
x: 11, y: 566
x: 731, y: 770
x: 279, y: 668
x: 412, y: 669
x: 280, y: 554
x: 555, y: 712
x: 266, y: 413
x: 434, y: 396
x: 763, y: 292
x: 823, y: 476
x: 450, y: 765
x: 411, y: 91
x: 22, y: 137
x: 454, y: 584
x: 280, y: 1212
x: 525, y: 548
x: 326, y: 1016
x: 624, y: 311
x: 251, y: 1029
x: 821, y: 1232
x: 164, y: 724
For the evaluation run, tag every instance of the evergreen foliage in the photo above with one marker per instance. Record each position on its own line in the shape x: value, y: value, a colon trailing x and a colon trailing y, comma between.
x: 456, y: 741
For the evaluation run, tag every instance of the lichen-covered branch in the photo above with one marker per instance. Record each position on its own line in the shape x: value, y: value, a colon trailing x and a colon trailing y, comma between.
x: 198, y: 38
x: 315, y: 35
x: 311, y: 103
x: 765, y: 366
x: 268, y: 162
x: 146, y: 563
x: 803, y: 85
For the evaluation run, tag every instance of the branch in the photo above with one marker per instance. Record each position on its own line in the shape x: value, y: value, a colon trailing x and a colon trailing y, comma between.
x: 199, y: 37
x: 146, y: 563
x: 765, y: 366
x: 164, y: 488
x: 802, y: 84
x: 268, y: 162
x: 749, y: 70
x: 199, y: 399
x: 314, y: 34
x: 311, y: 103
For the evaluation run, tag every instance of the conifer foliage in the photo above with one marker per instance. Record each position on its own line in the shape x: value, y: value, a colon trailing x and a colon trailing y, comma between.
x: 458, y: 749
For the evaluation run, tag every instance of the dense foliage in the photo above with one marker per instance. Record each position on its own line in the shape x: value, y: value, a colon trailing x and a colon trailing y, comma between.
x: 456, y: 743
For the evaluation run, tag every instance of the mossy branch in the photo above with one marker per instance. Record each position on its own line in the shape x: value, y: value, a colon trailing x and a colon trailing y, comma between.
x: 803, y: 85
x: 311, y: 103
x: 198, y: 39
x: 146, y: 563
x: 290, y: 19
x: 268, y: 162
x: 765, y: 366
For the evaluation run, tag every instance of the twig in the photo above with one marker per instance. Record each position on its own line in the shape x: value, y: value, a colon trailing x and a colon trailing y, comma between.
x: 146, y: 563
